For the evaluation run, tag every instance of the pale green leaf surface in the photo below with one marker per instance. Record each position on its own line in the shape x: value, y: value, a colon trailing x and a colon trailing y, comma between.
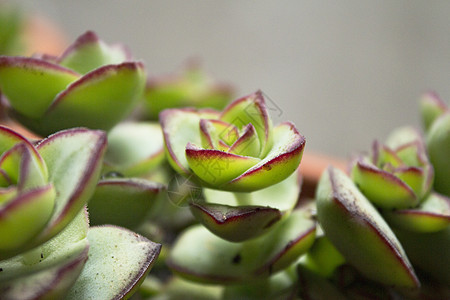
x: 119, y: 260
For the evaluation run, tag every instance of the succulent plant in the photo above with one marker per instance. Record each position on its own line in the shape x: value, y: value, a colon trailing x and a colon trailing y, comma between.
x: 247, y: 170
x: 44, y: 229
x: 90, y: 79
x: 237, y: 150
x: 190, y: 88
x: 384, y: 216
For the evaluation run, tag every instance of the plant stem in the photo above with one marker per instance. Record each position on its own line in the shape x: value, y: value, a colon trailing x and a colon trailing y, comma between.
x: 243, y: 198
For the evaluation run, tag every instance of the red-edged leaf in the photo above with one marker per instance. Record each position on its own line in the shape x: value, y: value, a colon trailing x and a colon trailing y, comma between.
x: 251, y: 109
x: 74, y: 158
x: 180, y: 127
x: 88, y: 52
x: 247, y: 144
x: 282, y: 160
x: 22, y: 79
x: 235, y: 224
x: 215, y: 167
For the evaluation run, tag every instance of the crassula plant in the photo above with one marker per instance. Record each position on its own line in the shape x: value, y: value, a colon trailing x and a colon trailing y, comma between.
x: 385, y: 219
x: 47, y: 249
x: 247, y: 169
x: 90, y: 79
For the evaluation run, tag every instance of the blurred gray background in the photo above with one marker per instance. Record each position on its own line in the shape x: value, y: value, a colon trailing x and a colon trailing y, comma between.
x: 345, y: 72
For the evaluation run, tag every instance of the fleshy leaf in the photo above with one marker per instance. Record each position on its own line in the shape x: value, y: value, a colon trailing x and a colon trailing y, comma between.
x: 235, y: 224
x: 428, y: 251
x: 215, y: 167
x: 251, y: 109
x: 280, y: 286
x: 213, y: 131
x: 403, y: 136
x: 180, y: 127
x: 88, y: 52
x: 432, y: 215
x: 22, y: 79
x: 68, y: 245
x: 52, y: 283
x: 282, y: 160
x: 247, y: 144
x: 201, y: 256
x: 134, y: 148
x: 22, y: 218
x: 118, y: 262
x: 314, y: 286
x: 438, y: 143
x: 282, y: 196
x: 360, y: 234
x: 74, y: 158
x: 431, y: 107
x: 9, y: 138
x: 123, y: 202
x: 24, y: 167
x: 323, y: 258
x: 395, y: 192
x: 110, y: 92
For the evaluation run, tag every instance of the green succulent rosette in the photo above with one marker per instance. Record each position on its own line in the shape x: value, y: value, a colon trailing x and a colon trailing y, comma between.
x: 91, y: 84
x: 236, y: 150
x: 248, y: 173
x: 375, y: 215
x: 190, y: 88
x: 400, y: 166
x: 44, y: 186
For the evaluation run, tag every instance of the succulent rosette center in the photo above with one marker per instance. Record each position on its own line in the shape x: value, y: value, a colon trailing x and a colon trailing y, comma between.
x: 237, y: 150
x: 400, y: 166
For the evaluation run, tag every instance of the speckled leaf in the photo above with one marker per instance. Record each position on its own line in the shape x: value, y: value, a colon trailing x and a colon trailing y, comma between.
x: 180, y: 127
x: 124, y: 202
x: 432, y: 215
x: 281, y: 161
x: 22, y: 79
x: 74, y: 158
x: 69, y: 245
x: 201, y: 256
x: 395, y: 192
x: 88, y: 52
x: 282, y: 196
x: 235, y: 223
x: 119, y: 260
x: 438, y: 143
x: 134, y: 148
x: 360, y: 234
